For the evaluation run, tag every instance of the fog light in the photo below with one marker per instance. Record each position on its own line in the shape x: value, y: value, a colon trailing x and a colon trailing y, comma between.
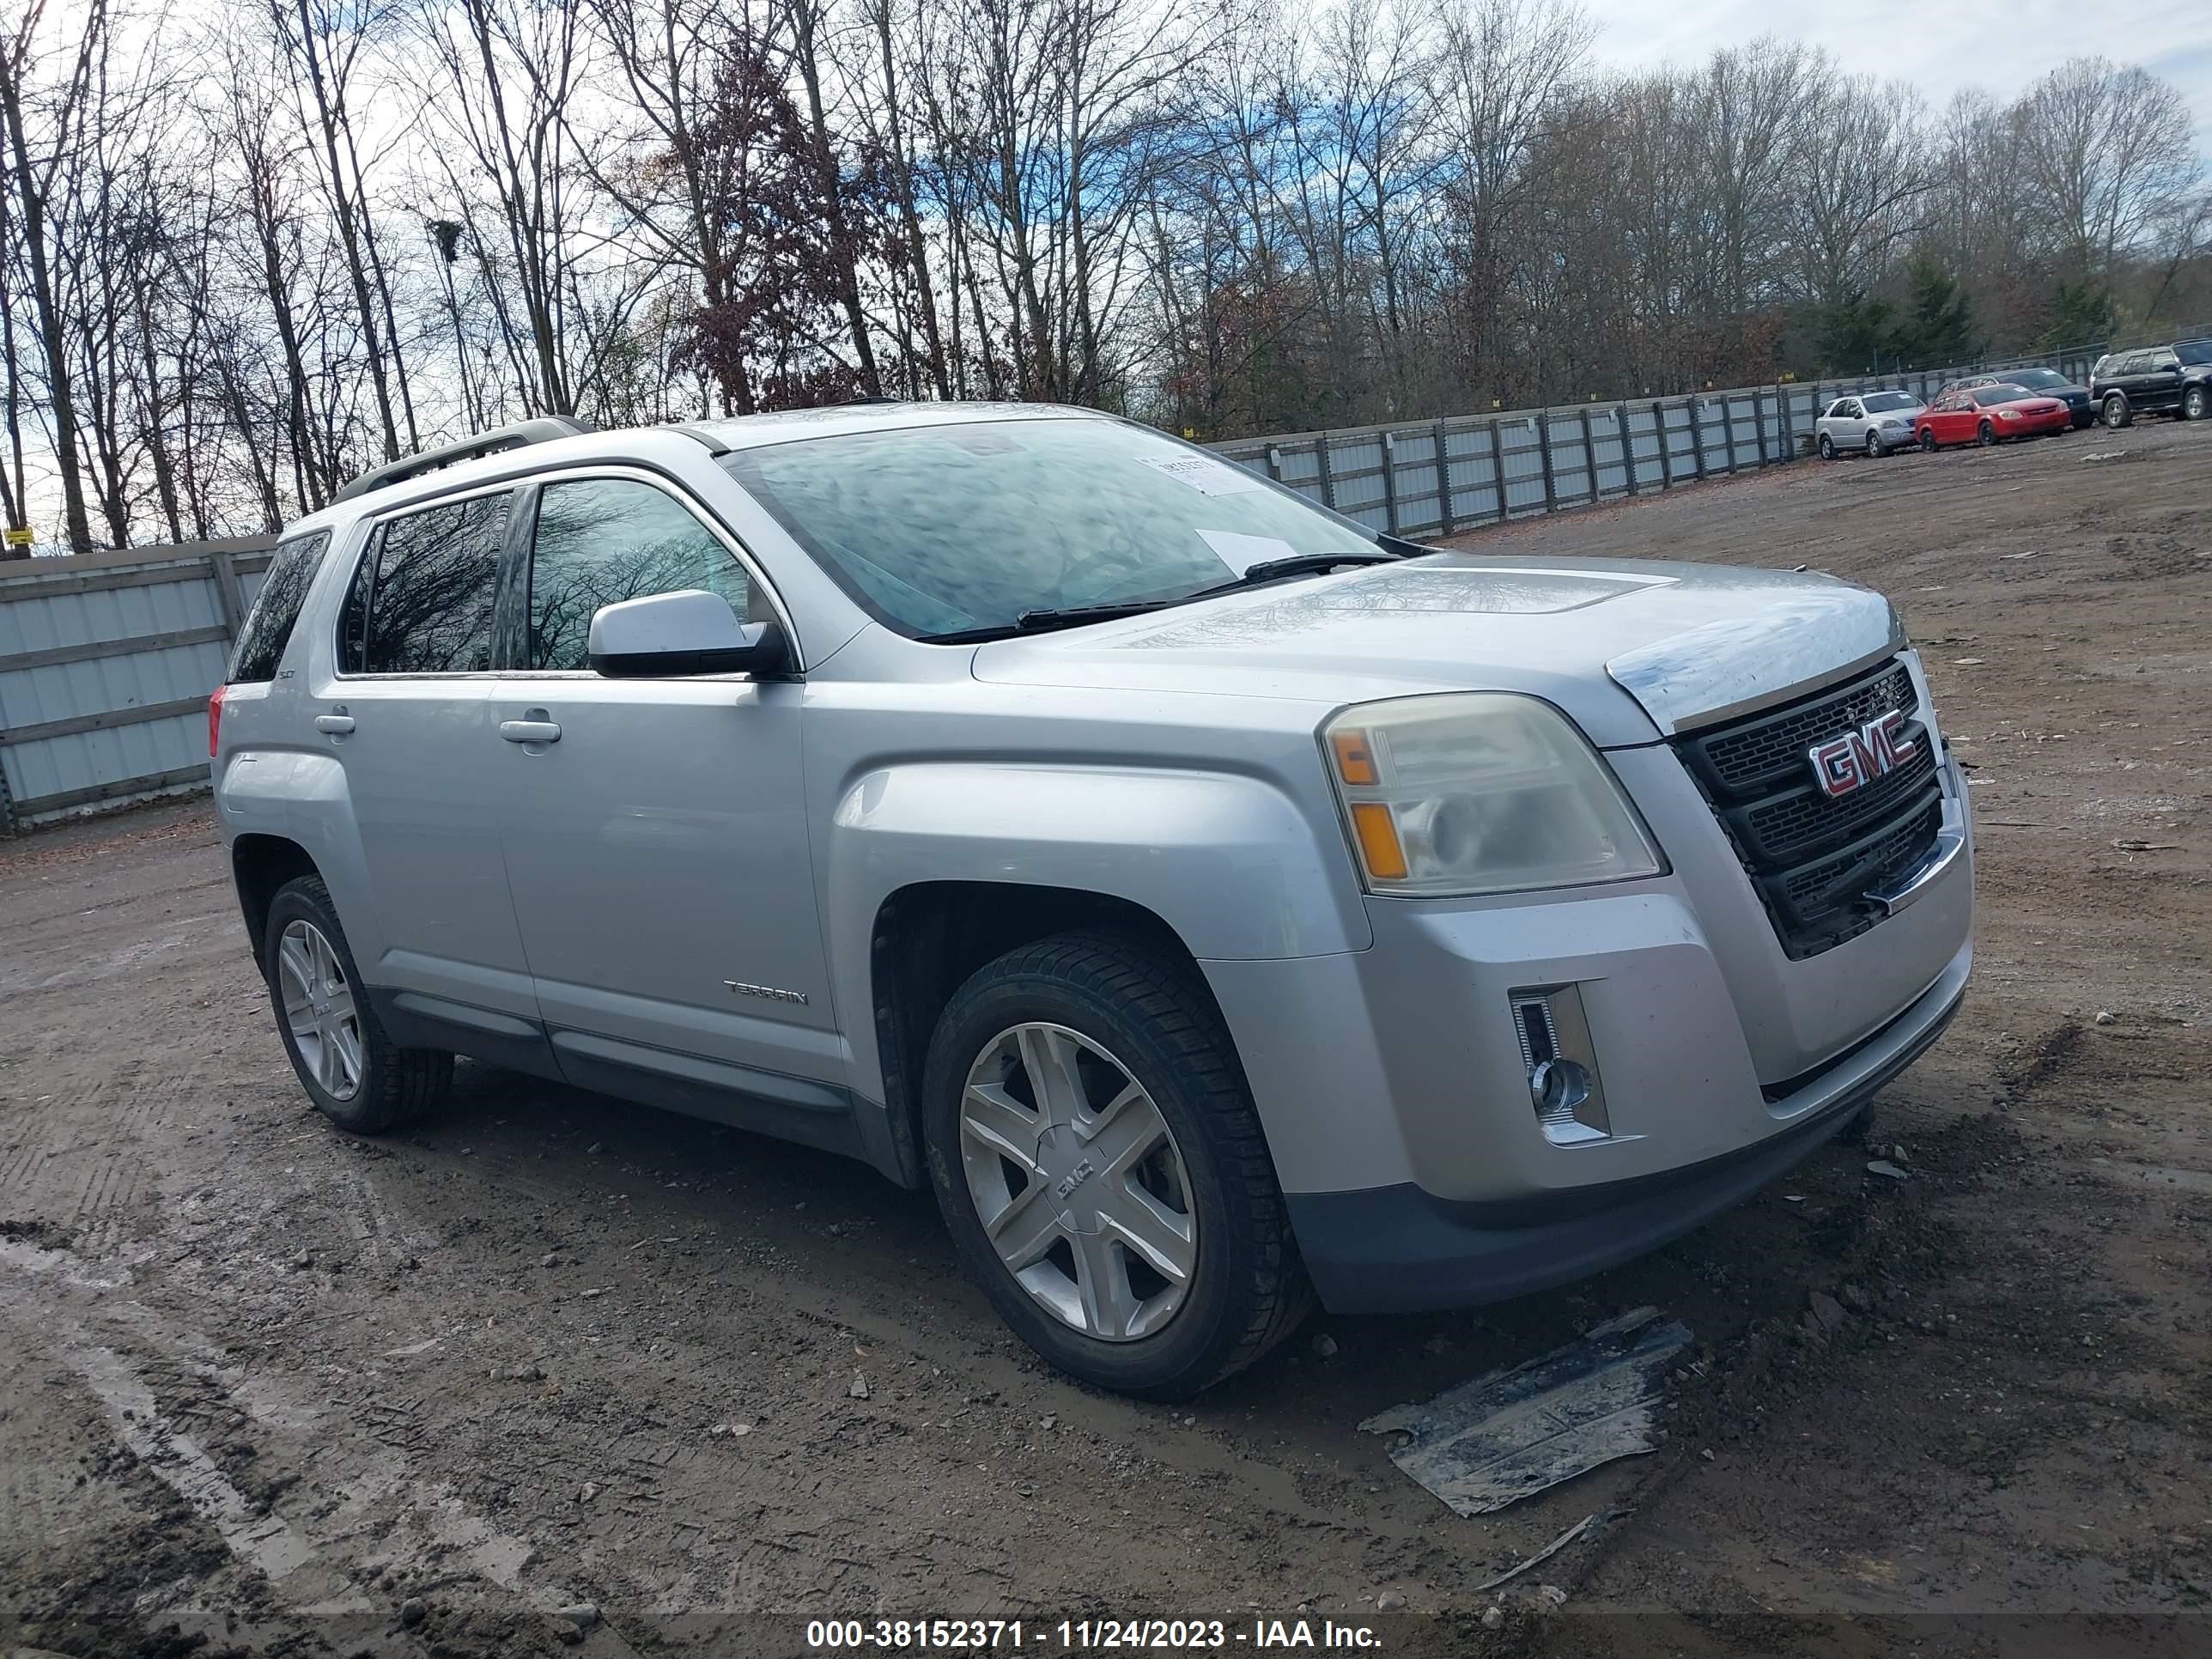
x: 1561, y: 1064
x: 1559, y: 1086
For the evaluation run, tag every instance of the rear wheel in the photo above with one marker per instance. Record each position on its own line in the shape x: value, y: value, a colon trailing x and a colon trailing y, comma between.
x: 2195, y: 404
x: 2116, y: 410
x: 357, y: 1077
x: 1099, y: 1162
x: 1828, y: 447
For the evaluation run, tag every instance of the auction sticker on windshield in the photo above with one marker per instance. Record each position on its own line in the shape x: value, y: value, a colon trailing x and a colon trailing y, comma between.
x: 1240, y: 552
x: 1208, y: 477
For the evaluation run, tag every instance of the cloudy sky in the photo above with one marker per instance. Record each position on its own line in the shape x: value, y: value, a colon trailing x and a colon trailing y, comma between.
x: 1940, y: 45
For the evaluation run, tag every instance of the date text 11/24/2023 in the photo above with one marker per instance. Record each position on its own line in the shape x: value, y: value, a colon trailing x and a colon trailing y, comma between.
x: 1082, y: 1635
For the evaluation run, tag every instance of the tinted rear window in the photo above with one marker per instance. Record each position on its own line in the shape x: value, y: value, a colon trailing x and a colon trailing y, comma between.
x: 422, y: 601
x: 277, y: 608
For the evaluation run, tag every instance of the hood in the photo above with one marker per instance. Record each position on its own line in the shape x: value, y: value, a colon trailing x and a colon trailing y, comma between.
x: 1630, y: 649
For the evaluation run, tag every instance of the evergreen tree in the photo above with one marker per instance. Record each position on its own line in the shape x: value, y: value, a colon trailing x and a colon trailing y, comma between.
x: 1937, y: 329
x: 1853, y: 334
x: 2081, y: 314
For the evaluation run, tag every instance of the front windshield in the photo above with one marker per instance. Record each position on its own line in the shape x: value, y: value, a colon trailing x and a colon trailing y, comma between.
x: 2033, y: 378
x: 2001, y: 394
x: 1881, y: 403
x: 2195, y: 352
x: 943, y: 528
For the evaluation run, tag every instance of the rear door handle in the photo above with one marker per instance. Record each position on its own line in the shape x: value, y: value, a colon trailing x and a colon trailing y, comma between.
x: 540, y: 730
x: 336, y: 725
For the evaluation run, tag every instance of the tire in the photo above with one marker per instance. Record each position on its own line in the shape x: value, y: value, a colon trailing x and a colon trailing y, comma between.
x: 1987, y: 435
x: 1875, y: 449
x: 1828, y: 447
x: 2117, y: 413
x: 2195, y: 404
x: 1928, y: 445
x: 304, y: 949
x: 1107, y: 1013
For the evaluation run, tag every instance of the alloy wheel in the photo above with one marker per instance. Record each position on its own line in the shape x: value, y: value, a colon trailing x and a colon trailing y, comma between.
x: 319, y: 1008
x: 2193, y: 406
x: 1875, y: 449
x: 1078, y: 1181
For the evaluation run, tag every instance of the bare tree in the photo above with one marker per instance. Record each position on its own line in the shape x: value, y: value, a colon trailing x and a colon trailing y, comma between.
x: 2110, y: 158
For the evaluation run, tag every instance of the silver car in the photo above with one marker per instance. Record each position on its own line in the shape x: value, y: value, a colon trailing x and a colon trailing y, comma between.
x: 1871, y: 423
x: 1218, y: 905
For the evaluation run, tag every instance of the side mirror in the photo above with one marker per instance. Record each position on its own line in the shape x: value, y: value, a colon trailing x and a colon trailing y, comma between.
x: 690, y: 632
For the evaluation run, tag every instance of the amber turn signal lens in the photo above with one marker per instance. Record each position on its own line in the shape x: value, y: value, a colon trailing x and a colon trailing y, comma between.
x: 1355, y: 760
x: 1378, y: 840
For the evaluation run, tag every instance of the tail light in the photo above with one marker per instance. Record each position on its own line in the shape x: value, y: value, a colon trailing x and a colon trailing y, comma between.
x: 215, y: 720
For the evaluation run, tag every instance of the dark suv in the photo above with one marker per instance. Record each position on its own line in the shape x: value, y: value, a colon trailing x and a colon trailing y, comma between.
x: 2172, y: 379
x: 2047, y: 382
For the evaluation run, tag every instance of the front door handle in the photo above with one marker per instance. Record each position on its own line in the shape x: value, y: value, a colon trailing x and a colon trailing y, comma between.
x: 336, y: 725
x: 534, y: 730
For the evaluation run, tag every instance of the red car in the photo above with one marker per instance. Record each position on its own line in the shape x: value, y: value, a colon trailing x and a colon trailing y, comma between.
x: 1985, y: 414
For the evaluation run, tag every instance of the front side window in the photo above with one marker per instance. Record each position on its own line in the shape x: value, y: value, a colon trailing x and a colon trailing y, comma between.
x: 2163, y: 359
x: 269, y: 625
x: 945, y: 528
x: 600, y: 541
x: 422, y: 601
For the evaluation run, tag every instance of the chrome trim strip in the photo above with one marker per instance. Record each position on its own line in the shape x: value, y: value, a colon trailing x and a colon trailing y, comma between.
x: 1910, y: 888
x: 1782, y: 650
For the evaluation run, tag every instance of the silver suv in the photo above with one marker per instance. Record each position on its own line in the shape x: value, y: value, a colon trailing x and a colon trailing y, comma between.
x: 1217, y: 904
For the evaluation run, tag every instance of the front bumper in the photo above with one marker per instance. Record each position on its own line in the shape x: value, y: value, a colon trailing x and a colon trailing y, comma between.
x: 1400, y: 1249
x: 1393, y: 1085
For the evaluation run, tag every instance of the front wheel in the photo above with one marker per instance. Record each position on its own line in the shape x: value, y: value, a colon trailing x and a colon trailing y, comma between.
x: 1098, y: 1160
x: 2195, y: 404
x: 2117, y: 412
x: 1828, y: 447
x: 356, y: 1076
x: 1875, y: 449
x: 1987, y: 435
x: 1927, y: 440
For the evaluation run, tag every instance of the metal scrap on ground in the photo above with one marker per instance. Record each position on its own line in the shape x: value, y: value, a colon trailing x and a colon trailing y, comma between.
x: 1503, y: 1435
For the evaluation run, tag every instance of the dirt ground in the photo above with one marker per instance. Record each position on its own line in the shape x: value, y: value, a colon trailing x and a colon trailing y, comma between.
x: 264, y: 1389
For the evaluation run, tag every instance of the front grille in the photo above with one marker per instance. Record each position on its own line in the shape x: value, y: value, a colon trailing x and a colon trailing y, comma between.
x: 1812, y: 859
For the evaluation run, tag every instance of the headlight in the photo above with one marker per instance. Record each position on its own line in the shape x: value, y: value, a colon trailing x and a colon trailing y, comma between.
x: 2007, y: 414
x: 1479, y: 792
x: 1898, y: 422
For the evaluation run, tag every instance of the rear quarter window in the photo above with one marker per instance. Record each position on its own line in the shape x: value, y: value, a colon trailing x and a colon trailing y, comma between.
x: 275, y: 610
x: 421, y: 599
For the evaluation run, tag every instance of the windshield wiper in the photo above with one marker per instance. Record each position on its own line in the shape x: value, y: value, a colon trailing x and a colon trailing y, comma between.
x: 1267, y: 570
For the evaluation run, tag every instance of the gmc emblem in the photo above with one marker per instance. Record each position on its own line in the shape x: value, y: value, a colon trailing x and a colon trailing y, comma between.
x: 1859, y: 758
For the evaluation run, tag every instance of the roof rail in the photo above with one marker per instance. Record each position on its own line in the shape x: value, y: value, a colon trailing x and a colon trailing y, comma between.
x: 544, y: 429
